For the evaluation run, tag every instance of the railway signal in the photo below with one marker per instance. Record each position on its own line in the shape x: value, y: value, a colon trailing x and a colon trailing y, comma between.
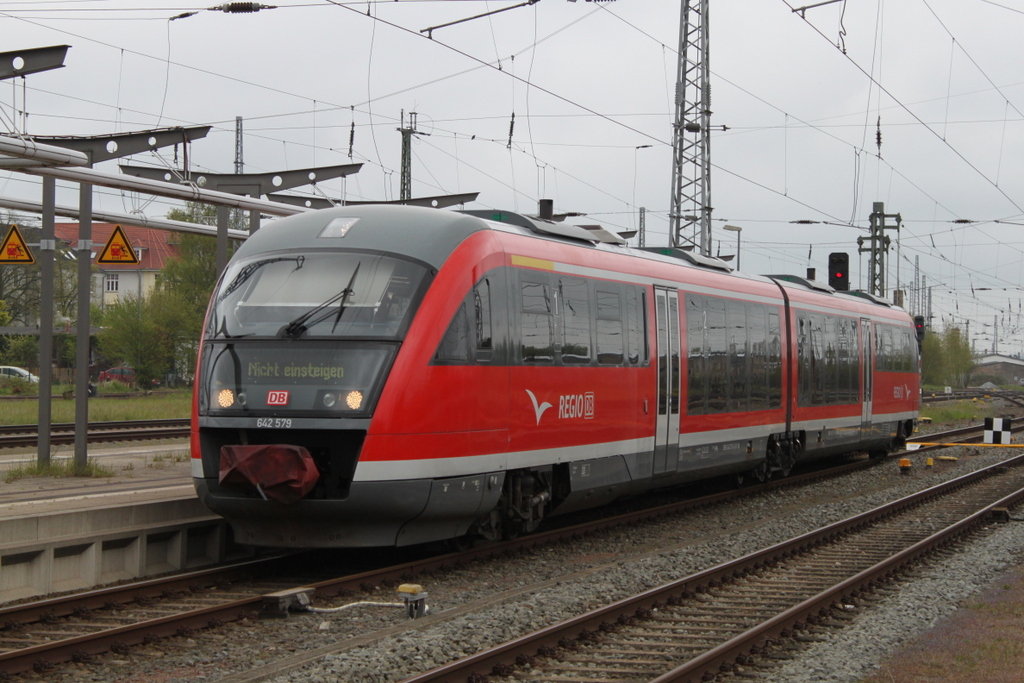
x: 839, y: 271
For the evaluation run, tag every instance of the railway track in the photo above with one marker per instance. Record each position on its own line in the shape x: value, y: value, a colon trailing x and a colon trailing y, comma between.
x: 21, y: 436
x: 37, y: 635
x: 1014, y: 397
x: 725, y: 619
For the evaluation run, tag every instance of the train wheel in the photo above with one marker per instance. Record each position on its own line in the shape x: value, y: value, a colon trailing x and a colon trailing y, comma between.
x: 760, y: 473
x: 460, y: 544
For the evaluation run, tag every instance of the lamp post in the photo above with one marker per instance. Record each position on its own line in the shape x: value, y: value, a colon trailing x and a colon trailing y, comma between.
x: 635, y: 149
x: 736, y: 229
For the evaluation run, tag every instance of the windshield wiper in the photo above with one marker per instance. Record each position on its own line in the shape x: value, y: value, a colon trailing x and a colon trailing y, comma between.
x: 297, y: 327
x: 246, y: 272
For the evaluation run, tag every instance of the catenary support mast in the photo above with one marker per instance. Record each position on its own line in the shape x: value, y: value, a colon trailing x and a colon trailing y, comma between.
x: 690, y: 209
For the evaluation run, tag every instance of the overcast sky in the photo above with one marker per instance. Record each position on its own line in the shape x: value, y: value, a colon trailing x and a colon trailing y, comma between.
x: 589, y: 84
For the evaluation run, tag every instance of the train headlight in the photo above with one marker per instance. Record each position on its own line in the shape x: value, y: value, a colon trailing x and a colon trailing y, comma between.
x: 329, y: 400
x: 354, y: 399
x: 226, y: 398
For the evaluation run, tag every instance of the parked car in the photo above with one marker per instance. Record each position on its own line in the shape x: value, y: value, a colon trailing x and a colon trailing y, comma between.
x: 125, y: 375
x: 11, y: 372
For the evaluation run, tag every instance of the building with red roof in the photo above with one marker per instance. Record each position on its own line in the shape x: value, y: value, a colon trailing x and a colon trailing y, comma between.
x: 153, y: 248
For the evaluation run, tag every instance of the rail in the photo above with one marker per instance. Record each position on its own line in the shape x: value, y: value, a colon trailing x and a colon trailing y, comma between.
x: 711, y: 622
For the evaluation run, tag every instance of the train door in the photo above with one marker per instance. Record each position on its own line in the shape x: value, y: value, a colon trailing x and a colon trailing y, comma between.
x: 867, y: 373
x: 666, y: 438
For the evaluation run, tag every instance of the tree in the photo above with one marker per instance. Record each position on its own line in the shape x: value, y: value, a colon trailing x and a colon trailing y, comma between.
x: 191, y: 276
x: 21, y: 350
x: 19, y: 284
x: 187, y: 282
x: 956, y: 352
x: 180, y: 331
x: 134, y: 334
x: 932, y: 361
x: 946, y: 358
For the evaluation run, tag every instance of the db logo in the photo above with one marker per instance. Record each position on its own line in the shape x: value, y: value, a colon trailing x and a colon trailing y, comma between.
x: 277, y: 398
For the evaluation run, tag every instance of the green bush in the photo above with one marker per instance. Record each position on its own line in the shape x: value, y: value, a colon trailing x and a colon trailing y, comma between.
x: 10, y: 386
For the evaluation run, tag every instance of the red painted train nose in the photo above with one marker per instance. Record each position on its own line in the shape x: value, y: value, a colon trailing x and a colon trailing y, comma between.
x: 279, y: 471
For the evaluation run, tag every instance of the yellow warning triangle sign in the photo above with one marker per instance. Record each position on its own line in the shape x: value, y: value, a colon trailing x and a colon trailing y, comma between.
x: 118, y: 249
x: 14, y: 250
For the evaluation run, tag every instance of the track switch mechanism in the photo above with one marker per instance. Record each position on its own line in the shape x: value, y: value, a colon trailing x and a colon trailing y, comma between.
x: 415, y: 599
x: 277, y: 605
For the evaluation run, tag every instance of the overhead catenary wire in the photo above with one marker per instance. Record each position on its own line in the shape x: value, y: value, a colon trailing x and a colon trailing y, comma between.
x: 536, y: 144
x: 917, y: 118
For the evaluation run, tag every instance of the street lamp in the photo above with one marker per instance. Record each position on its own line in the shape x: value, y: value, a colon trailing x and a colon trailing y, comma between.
x: 736, y: 229
x: 638, y: 147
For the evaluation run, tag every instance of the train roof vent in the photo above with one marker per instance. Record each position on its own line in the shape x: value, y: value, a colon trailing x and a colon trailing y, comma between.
x: 691, y: 258
x: 602, y: 234
x: 538, y: 226
x: 871, y: 297
x: 810, y: 284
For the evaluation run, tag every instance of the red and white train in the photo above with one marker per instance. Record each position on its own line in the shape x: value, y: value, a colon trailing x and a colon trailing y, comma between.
x: 389, y: 375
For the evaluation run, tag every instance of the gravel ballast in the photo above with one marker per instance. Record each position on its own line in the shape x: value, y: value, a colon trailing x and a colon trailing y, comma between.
x: 847, y: 656
x: 486, y: 603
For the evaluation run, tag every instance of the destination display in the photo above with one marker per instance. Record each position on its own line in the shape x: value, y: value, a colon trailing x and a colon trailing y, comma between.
x: 313, y: 377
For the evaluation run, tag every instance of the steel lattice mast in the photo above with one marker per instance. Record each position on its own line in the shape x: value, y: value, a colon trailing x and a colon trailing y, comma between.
x: 690, y: 211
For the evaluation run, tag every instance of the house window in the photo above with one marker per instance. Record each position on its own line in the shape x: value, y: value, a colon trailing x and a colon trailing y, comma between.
x: 112, y: 282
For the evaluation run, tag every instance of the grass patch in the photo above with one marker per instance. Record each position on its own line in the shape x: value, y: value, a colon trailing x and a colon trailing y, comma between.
x: 57, y: 468
x: 957, y: 411
x: 177, y: 404
x: 161, y: 460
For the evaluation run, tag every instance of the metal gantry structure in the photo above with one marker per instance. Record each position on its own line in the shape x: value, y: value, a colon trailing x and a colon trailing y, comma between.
x: 878, y: 247
x: 405, y: 192
x: 690, y: 209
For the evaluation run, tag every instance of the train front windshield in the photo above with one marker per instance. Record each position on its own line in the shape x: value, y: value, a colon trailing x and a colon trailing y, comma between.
x: 325, y: 294
x: 306, y: 334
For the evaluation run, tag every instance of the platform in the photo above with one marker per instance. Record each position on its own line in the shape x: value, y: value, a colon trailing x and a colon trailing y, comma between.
x: 68, y: 533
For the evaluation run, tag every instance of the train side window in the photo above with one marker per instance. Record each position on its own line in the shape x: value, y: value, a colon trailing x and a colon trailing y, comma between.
x: 575, y: 305
x: 774, y: 360
x: 717, y: 357
x: 537, y: 323
x: 853, y: 343
x: 673, y: 321
x: 804, y: 365
x: 645, y: 341
x: 907, y: 353
x: 887, y: 349
x: 830, y: 344
x: 696, y: 365
x: 881, y: 360
x: 610, y: 341
x: 635, y: 325
x: 661, y: 318
x: 818, y: 346
x: 843, y: 361
x: 454, y: 345
x: 482, y: 321
x: 757, y: 334
x: 739, y: 377
x: 913, y: 359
